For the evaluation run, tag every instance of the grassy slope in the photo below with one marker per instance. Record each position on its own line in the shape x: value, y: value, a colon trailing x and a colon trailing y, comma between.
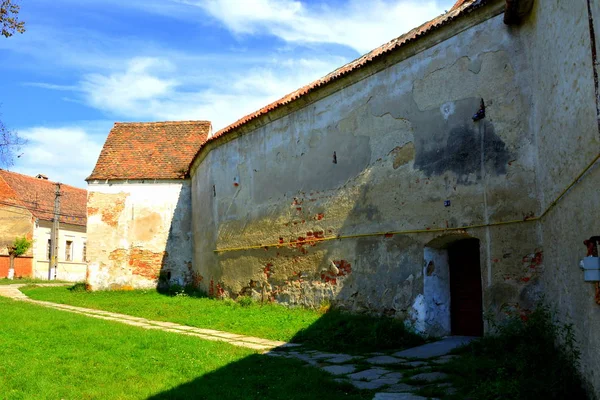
x: 333, y: 331
x: 49, y: 354
x: 6, y: 281
x: 269, y: 321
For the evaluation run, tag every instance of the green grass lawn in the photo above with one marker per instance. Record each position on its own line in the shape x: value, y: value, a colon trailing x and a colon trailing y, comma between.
x: 50, y: 354
x: 332, y: 331
x: 6, y: 281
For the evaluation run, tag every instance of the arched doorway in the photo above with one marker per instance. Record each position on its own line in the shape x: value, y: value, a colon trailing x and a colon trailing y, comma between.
x: 452, y: 286
x: 466, y: 310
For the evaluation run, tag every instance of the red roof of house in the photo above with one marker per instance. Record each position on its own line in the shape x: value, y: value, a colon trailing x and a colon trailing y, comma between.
x: 37, y: 196
x: 460, y: 8
x: 150, y: 150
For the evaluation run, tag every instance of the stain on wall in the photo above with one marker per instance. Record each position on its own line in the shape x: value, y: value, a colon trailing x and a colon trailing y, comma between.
x: 469, y: 149
x: 139, y: 235
x: 109, y: 207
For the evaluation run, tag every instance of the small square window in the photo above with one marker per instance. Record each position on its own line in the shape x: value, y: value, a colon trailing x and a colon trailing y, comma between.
x: 69, y: 251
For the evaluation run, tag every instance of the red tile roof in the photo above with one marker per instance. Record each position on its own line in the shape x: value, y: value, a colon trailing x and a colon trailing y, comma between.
x: 150, y: 150
x: 460, y: 8
x: 458, y: 3
x: 37, y: 196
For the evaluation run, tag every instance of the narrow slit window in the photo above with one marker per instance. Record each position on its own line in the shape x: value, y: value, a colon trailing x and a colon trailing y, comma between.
x: 69, y: 251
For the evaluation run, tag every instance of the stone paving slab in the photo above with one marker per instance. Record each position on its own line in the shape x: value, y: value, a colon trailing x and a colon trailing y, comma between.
x: 369, y: 374
x: 430, y: 376
x: 320, y: 355
x: 372, y: 385
x: 339, y: 369
x: 394, y: 375
x: 435, y: 349
x: 415, y: 364
x: 341, y: 359
x: 401, y: 388
x: 384, y: 360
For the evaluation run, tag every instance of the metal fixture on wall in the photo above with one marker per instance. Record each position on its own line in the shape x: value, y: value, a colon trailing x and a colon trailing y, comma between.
x: 591, y: 264
x: 480, y: 114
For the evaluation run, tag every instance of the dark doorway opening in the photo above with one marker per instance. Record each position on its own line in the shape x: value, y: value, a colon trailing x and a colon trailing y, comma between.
x: 466, y: 310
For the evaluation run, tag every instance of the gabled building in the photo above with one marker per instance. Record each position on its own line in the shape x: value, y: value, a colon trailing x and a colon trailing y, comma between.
x: 139, y: 205
x: 27, y: 210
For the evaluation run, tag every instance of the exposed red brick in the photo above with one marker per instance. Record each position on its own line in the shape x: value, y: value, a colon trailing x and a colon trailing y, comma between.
x: 23, y: 267
x: 144, y: 263
x: 109, y: 206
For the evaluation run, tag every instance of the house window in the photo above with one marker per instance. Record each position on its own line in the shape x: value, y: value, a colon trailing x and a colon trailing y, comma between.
x: 84, y: 253
x: 49, y: 250
x: 69, y: 251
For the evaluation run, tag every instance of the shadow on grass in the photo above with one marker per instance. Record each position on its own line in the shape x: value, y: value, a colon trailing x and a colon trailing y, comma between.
x: 335, y: 330
x: 344, y: 332
x: 264, y: 377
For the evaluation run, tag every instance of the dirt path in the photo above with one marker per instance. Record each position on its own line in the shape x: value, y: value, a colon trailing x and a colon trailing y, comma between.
x: 13, y: 292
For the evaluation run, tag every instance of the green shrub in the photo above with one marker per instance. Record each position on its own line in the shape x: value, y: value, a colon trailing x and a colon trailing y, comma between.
x: 21, y: 246
x: 245, y: 301
x: 529, y: 358
x: 79, y: 287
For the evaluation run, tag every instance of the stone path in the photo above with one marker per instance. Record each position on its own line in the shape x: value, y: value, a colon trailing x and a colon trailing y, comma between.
x: 396, y: 376
x: 13, y: 292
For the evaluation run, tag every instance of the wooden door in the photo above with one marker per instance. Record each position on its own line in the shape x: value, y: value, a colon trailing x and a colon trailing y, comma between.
x: 466, y: 308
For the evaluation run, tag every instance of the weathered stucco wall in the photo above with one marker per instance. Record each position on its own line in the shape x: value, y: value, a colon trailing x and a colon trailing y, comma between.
x: 565, y: 121
x: 16, y: 222
x: 139, y: 232
x: 379, y: 155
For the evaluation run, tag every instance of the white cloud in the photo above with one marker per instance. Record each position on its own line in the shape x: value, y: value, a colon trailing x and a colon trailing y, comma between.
x: 140, y: 87
x: 146, y: 90
x: 65, y: 154
x: 358, y: 24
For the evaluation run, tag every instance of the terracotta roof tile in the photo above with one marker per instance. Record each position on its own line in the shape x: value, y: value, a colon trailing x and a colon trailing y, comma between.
x: 150, y: 150
x: 37, y: 196
x: 461, y: 7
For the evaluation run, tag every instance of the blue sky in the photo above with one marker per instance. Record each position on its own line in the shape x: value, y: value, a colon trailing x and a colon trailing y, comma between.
x: 84, y: 64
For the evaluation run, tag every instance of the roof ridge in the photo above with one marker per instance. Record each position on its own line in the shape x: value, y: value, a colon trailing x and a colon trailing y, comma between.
x: 33, y: 178
x: 460, y: 7
x: 188, y: 122
x: 149, y: 150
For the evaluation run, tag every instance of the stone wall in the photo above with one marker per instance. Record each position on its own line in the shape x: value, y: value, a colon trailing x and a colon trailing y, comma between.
x: 16, y: 222
x: 382, y: 154
x: 565, y: 122
x: 139, y: 232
